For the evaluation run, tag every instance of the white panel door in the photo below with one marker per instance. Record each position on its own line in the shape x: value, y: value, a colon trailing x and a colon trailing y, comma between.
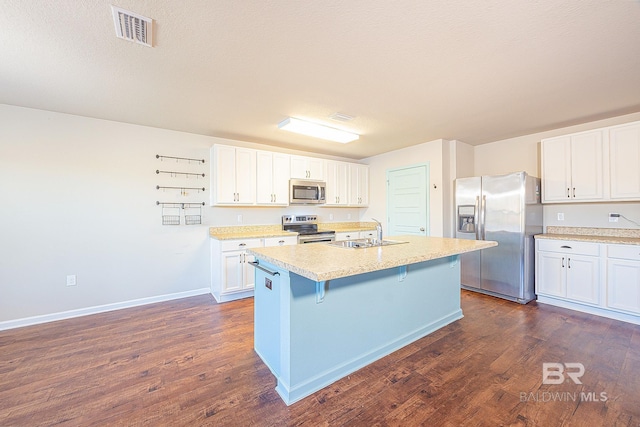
x: 586, y: 166
x: 624, y: 162
x: 550, y: 273
x: 225, y: 174
x: 407, y: 201
x: 281, y: 175
x: 583, y: 278
x: 556, y: 169
x: 264, y: 177
x: 623, y: 285
x: 245, y: 176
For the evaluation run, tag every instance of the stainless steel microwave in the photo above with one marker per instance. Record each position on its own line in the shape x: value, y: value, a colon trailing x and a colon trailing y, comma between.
x: 306, y: 192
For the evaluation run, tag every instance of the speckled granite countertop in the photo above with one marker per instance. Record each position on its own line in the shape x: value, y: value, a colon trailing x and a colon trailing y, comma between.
x: 321, y: 261
x: 623, y: 236
x: 262, y: 231
x: 248, y: 232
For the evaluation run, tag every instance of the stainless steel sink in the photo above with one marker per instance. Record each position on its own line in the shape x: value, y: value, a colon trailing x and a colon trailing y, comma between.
x: 364, y: 243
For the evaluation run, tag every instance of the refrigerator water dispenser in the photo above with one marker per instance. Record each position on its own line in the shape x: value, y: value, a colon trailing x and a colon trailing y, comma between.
x: 466, y: 219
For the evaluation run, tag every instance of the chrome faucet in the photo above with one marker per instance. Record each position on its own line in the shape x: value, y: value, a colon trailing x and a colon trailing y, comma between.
x: 378, y: 229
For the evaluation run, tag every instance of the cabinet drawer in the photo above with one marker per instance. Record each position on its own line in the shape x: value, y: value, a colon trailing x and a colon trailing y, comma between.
x: 569, y: 246
x: 234, y: 245
x: 281, y: 241
x: 624, y: 251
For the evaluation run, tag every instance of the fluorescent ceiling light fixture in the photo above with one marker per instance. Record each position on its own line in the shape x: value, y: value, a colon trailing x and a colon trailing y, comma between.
x: 318, y: 131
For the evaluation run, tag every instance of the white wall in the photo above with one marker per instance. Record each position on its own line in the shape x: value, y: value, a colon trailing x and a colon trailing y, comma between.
x: 429, y: 152
x: 523, y: 153
x: 78, y: 197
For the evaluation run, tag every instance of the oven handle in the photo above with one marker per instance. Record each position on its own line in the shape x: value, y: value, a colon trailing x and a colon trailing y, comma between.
x: 256, y: 264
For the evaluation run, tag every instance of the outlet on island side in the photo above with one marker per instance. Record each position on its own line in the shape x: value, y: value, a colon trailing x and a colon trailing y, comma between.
x: 613, y: 217
x: 72, y: 280
x: 560, y: 216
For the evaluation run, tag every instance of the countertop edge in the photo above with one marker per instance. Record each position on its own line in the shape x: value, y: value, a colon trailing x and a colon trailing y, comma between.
x: 592, y: 239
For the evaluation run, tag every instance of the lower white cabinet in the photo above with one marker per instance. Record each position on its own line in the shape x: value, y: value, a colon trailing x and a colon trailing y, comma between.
x: 596, y: 278
x: 232, y: 275
x: 623, y: 278
x: 568, y: 270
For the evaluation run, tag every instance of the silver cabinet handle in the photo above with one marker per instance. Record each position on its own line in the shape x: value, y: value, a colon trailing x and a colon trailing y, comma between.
x: 568, y: 192
x: 281, y: 242
x: 569, y: 262
x: 574, y: 191
x: 566, y: 247
x: 562, y: 262
x: 242, y: 244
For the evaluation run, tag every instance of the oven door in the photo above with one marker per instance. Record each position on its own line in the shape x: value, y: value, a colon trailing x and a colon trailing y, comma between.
x: 316, y: 238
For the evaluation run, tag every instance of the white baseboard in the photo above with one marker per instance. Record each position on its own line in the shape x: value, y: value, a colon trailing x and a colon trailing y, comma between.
x: 35, y: 320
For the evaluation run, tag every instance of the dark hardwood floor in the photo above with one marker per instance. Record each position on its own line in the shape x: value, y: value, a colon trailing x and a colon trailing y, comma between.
x: 191, y: 362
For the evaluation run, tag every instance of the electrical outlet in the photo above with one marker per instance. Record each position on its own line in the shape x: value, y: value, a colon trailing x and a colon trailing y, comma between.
x: 613, y: 217
x: 239, y: 219
x: 71, y: 280
x: 348, y: 216
x: 330, y: 217
x: 560, y: 216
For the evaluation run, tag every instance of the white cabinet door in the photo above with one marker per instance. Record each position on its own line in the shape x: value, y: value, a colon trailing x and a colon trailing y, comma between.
x: 307, y: 168
x: 586, y: 166
x: 264, y: 177
x: 224, y: 173
x: 281, y: 174
x: 272, y: 178
x: 583, y: 278
x: 232, y: 271
x: 249, y: 276
x: 245, y: 176
x: 550, y: 273
x: 234, y: 175
x: 337, y: 179
x: 556, y: 169
x: 358, y: 185
x: 624, y: 161
x: 623, y: 278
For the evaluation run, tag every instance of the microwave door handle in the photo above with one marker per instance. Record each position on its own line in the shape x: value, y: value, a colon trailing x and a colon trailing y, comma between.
x: 319, y: 193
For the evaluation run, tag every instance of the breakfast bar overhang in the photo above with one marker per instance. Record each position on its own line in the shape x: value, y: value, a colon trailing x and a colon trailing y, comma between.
x: 323, y: 312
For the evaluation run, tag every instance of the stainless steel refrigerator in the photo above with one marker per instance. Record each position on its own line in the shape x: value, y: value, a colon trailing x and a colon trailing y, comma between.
x: 506, y: 209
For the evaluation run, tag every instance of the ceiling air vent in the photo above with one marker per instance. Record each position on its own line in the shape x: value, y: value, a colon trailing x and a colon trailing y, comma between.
x: 341, y: 117
x: 133, y: 27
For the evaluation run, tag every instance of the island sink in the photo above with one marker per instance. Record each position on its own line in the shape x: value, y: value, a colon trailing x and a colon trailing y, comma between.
x: 364, y: 243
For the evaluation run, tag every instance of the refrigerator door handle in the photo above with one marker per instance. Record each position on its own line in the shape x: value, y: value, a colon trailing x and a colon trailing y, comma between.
x: 484, y: 217
x: 476, y: 217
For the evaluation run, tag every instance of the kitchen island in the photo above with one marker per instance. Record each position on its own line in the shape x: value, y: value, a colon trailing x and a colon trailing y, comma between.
x: 323, y: 312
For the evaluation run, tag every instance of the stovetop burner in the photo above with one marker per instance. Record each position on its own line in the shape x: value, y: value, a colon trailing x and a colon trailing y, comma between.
x: 304, y: 225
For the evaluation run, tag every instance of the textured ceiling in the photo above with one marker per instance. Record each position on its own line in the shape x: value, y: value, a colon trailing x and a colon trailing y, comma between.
x: 410, y: 71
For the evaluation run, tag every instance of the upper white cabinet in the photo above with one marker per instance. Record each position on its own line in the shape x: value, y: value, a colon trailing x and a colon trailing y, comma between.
x: 358, y: 185
x: 307, y: 168
x: 624, y: 161
x: 337, y: 178
x: 572, y: 168
x: 272, y: 178
x: 233, y: 174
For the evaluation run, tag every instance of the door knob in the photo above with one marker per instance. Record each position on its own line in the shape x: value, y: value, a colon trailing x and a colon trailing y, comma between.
x: 421, y: 228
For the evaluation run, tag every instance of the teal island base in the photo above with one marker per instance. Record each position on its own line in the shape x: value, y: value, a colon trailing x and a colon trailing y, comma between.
x: 311, y: 334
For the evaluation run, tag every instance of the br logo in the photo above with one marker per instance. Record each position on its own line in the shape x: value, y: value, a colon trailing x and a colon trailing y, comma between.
x: 553, y: 373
